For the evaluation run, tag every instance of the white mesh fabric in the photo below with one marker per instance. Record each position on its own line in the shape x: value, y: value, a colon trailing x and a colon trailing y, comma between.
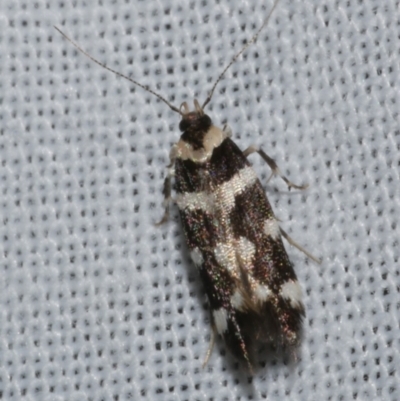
x: 96, y: 303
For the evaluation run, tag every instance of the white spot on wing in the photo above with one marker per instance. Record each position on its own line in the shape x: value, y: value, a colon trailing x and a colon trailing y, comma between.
x: 291, y: 291
x: 226, y: 256
x: 225, y: 194
x: 221, y: 320
x: 247, y: 176
x: 223, y: 197
x: 246, y: 251
x: 195, y: 201
x: 237, y: 300
x: 262, y: 293
x: 271, y: 228
x: 197, y: 257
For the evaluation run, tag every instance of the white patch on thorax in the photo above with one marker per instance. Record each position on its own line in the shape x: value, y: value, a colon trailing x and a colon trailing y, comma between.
x: 221, y: 320
x: 291, y: 291
x: 212, y: 139
x: 271, y: 228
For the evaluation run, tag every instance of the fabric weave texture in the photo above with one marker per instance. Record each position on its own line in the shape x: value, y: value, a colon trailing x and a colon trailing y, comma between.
x: 96, y: 303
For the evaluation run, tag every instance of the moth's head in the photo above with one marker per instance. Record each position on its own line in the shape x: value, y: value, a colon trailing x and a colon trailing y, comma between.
x: 193, y: 121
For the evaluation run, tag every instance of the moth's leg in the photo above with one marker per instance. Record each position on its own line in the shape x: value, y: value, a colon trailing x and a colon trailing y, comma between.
x: 167, y: 189
x: 210, y: 347
x: 227, y: 131
x: 298, y: 246
x: 275, y: 171
x: 273, y: 166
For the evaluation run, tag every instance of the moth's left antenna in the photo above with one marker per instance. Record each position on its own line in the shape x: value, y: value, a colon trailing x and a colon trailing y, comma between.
x: 146, y: 88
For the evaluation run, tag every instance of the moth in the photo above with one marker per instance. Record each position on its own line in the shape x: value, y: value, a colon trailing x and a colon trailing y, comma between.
x: 231, y: 231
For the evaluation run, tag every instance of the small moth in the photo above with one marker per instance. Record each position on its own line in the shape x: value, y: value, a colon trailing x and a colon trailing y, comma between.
x: 231, y: 231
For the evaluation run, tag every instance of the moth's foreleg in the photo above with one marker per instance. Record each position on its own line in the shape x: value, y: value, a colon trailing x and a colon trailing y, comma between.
x: 167, y: 189
x: 273, y: 166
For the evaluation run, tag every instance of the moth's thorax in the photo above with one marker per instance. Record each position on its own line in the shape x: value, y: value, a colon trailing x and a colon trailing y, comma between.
x: 186, y: 149
x: 199, y: 136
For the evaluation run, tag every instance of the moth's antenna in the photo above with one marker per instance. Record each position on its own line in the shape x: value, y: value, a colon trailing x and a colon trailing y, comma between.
x: 146, y: 88
x: 251, y: 41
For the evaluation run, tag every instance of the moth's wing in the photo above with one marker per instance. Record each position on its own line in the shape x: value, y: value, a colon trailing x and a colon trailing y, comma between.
x: 205, y: 232
x: 276, y: 293
x: 234, y: 239
x: 227, y: 320
x: 202, y: 236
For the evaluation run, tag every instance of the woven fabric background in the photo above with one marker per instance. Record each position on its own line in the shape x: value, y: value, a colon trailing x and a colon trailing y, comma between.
x: 96, y: 303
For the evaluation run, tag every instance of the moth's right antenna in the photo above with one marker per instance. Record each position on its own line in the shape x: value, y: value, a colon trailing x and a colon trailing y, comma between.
x: 146, y: 88
x: 252, y: 40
